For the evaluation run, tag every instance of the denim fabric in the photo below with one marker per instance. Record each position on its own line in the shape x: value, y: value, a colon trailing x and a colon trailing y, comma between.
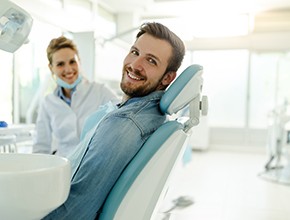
x: 94, y: 119
x: 117, y: 138
x: 89, y: 129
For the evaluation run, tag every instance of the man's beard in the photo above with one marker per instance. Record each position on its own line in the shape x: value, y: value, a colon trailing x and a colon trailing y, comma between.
x: 130, y: 90
x: 138, y: 91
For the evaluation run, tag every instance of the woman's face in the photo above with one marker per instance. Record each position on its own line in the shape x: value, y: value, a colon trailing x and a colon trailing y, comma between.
x: 65, y: 65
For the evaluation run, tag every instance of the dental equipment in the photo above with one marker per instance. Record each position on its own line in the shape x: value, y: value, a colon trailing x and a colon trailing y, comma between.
x: 32, y: 185
x: 11, y: 135
x: 15, y: 26
x: 277, y: 168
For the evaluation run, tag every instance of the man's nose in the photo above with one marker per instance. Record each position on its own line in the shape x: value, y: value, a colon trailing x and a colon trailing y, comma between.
x: 137, y: 63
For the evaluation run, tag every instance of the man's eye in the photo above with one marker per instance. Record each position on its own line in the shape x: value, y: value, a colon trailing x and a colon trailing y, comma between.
x: 135, y: 52
x: 152, y: 61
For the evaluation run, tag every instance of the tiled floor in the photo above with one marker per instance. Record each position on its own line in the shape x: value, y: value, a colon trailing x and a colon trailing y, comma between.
x: 226, y: 186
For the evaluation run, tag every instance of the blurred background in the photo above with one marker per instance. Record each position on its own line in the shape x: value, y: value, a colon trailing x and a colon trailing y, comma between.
x: 242, y: 45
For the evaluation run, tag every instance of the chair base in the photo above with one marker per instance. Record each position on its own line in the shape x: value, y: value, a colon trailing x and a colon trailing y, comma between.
x: 280, y: 175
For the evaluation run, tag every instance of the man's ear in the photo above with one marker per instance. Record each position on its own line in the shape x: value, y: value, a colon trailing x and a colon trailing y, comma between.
x: 168, y: 78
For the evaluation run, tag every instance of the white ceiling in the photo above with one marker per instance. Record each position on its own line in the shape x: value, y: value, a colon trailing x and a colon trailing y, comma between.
x: 54, y: 11
x: 271, y: 18
x: 162, y: 8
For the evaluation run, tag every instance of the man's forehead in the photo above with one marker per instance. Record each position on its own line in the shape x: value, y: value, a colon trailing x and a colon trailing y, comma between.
x: 150, y: 45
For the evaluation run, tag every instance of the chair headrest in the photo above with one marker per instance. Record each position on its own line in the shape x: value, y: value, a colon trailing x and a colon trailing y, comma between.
x: 184, y: 89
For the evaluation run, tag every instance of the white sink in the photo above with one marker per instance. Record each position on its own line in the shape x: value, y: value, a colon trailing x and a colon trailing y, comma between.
x: 32, y: 185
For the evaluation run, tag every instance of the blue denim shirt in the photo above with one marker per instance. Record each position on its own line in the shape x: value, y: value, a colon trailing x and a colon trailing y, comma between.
x: 117, y: 138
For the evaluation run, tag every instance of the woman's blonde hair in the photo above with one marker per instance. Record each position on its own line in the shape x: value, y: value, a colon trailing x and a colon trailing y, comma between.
x: 59, y: 43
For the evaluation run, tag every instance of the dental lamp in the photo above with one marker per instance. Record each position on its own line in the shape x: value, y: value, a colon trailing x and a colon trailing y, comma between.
x: 15, y: 26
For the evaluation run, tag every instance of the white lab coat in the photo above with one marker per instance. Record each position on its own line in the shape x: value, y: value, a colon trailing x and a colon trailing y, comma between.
x: 58, y: 125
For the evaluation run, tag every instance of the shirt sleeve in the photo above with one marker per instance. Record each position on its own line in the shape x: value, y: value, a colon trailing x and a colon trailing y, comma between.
x: 43, y: 137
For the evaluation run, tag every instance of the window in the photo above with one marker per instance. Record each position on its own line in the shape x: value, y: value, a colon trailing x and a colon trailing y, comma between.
x: 204, y: 26
x: 269, y: 86
x: 225, y: 84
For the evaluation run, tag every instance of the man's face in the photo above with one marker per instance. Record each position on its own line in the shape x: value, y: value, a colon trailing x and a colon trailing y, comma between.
x: 145, y: 65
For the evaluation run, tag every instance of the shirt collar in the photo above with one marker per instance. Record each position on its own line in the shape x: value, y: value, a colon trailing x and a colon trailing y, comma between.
x: 154, y: 95
x: 60, y: 94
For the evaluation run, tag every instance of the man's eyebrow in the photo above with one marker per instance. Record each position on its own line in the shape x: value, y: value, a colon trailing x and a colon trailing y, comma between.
x: 148, y: 54
x: 134, y: 48
x: 154, y: 57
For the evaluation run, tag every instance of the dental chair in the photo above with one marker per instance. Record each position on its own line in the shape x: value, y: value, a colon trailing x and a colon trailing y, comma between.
x: 141, y: 187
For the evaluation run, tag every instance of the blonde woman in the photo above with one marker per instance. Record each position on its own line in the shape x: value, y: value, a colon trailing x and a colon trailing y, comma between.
x: 62, y: 114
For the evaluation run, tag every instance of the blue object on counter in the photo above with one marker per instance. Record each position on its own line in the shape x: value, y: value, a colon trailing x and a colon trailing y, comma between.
x: 3, y: 124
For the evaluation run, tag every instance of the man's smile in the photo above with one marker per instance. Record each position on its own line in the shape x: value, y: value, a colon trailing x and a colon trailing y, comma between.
x: 134, y: 76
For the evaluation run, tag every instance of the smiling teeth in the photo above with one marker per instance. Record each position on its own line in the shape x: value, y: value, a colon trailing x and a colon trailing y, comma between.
x: 133, y: 77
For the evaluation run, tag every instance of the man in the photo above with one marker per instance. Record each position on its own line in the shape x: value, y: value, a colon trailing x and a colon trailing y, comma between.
x: 148, y: 69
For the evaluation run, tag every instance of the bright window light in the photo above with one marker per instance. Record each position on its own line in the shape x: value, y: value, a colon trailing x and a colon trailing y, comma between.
x: 57, y: 4
x: 218, y: 26
x: 203, y: 26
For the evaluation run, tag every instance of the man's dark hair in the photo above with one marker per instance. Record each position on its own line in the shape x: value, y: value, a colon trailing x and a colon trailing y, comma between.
x: 160, y: 31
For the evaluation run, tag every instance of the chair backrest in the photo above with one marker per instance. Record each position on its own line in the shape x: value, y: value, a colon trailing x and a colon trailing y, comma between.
x: 138, y: 190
